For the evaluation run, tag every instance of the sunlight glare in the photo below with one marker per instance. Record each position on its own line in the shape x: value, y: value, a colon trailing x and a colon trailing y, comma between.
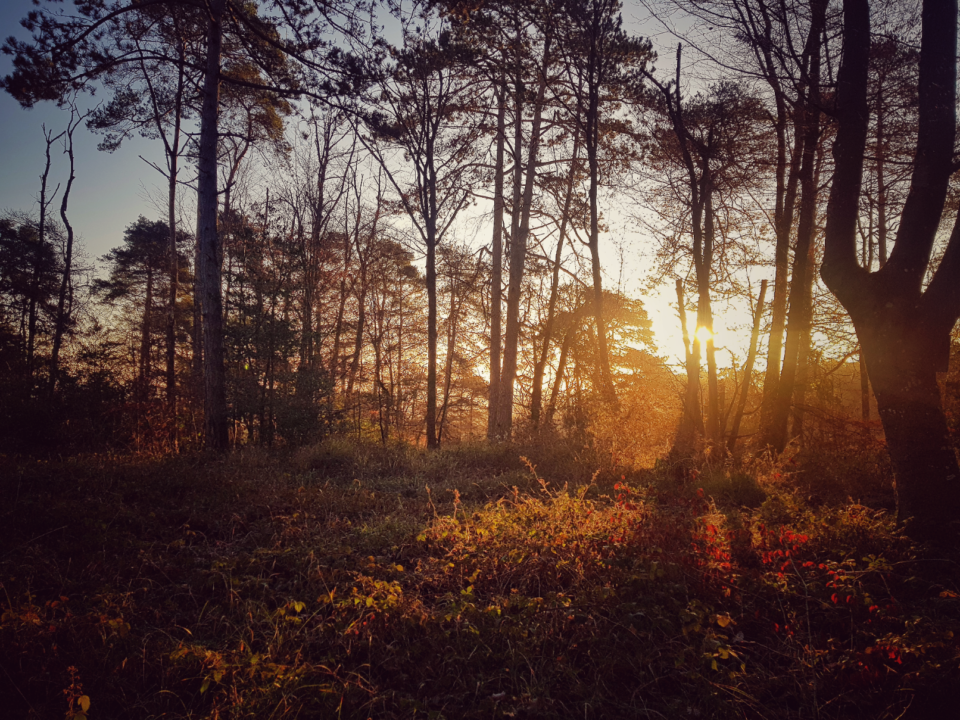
x: 703, y: 335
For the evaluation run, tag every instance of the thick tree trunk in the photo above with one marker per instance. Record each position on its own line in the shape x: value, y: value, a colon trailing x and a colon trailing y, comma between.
x: 215, y: 396
x: 904, y: 379
x: 173, y: 154
x: 904, y: 329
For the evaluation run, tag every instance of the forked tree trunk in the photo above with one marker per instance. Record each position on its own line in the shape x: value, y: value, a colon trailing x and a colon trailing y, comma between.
x: 904, y: 329
x: 63, y: 311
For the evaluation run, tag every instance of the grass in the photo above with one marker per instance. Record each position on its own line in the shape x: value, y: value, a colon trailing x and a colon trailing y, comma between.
x: 358, y: 581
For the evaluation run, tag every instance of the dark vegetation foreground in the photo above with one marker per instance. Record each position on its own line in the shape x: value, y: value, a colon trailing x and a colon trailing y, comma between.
x: 359, y: 581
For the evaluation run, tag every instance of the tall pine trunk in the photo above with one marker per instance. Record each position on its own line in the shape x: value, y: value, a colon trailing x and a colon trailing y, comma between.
x: 211, y: 304
x: 518, y: 247
x: 496, y: 261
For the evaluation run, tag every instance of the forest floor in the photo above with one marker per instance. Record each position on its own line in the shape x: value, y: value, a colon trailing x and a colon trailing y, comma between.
x: 346, y: 581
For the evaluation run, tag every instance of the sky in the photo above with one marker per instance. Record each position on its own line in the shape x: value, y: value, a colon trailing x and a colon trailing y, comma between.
x: 112, y: 190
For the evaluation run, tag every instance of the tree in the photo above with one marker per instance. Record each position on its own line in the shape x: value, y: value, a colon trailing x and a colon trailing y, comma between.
x: 154, y: 98
x: 902, y: 315
x: 29, y: 284
x: 423, y: 98
x: 599, y: 54
x: 68, y: 53
x: 136, y: 273
x: 705, y: 151
x: 65, y: 296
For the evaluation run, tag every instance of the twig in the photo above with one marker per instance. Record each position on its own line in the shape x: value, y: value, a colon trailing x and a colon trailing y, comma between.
x: 33, y: 540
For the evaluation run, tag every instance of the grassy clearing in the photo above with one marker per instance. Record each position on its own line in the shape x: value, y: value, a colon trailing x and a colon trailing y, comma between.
x: 355, y: 582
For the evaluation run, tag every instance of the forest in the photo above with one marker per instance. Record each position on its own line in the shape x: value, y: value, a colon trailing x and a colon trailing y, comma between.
x: 486, y: 359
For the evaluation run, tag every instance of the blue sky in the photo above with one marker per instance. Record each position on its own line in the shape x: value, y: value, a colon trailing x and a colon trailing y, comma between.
x: 110, y: 190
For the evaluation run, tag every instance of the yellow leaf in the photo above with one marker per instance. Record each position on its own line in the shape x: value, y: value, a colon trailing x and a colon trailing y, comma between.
x: 723, y: 620
x: 713, y: 665
x: 84, y: 701
x: 724, y: 653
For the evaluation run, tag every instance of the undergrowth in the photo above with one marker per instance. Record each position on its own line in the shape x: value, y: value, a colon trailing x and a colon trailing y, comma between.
x: 356, y: 581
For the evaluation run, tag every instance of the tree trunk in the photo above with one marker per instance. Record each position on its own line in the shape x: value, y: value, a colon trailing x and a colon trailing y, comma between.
x: 904, y: 379
x: 691, y: 424
x: 592, y: 137
x: 496, y: 276
x: 864, y: 389
x: 518, y: 248
x: 33, y: 311
x: 786, y: 204
x: 432, y: 440
x: 143, y: 375
x: 536, y: 399
x: 173, y: 153
x: 801, y: 310
x: 748, y: 368
x: 904, y: 328
x: 452, y: 322
x: 65, y: 282
x: 215, y: 396
x: 705, y: 310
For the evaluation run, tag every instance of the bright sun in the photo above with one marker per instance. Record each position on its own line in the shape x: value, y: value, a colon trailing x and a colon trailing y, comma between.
x: 704, y: 334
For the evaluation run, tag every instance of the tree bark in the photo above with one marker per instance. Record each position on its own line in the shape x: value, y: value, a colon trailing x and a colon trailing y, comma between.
x: 33, y: 311
x: 592, y: 141
x: 143, y: 375
x: 518, y: 249
x: 536, y: 397
x: 215, y: 396
x: 691, y: 424
x: 496, y: 261
x: 798, y: 323
x: 904, y: 329
x: 65, y: 282
x: 748, y: 368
